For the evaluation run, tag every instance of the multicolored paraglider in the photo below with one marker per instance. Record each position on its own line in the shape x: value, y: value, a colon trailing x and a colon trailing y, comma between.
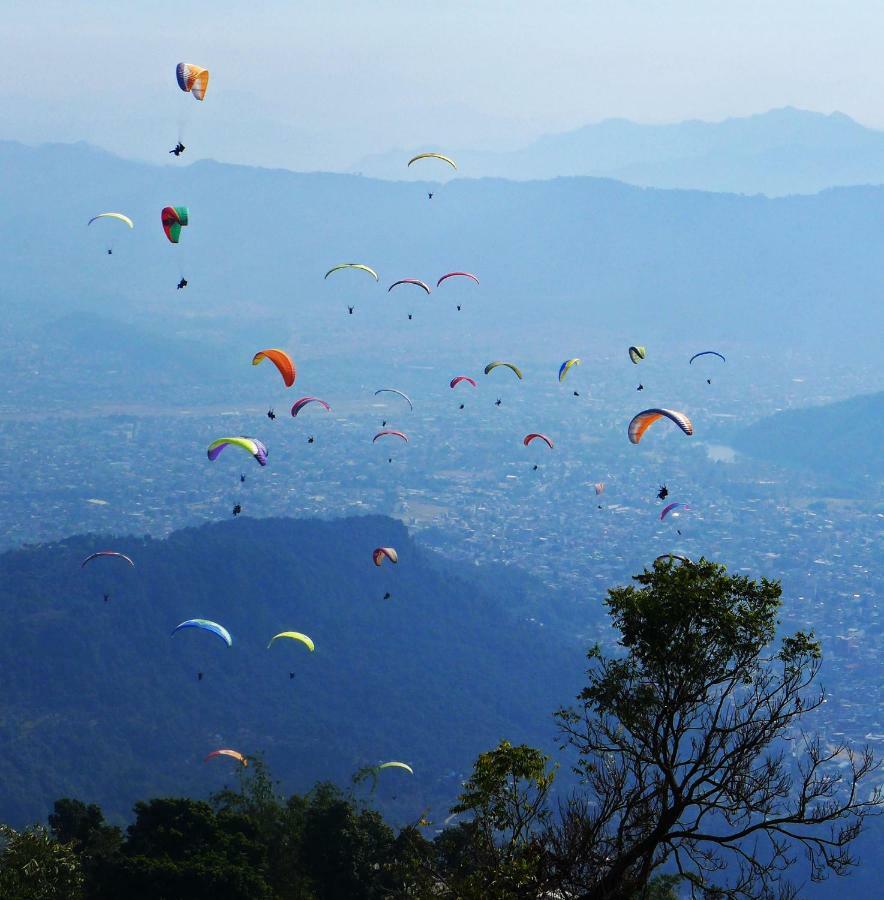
x: 446, y: 159
x: 293, y: 636
x: 508, y: 365
x: 361, y: 266
x: 206, y: 625
x: 300, y: 404
x: 282, y: 361
x: 233, y: 754
x: 637, y: 354
x: 379, y: 553
x: 194, y: 79
x: 566, y: 367
x: 174, y: 218
x: 113, y: 554
x: 537, y: 436
x: 250, y: 445
x: 643, y: 421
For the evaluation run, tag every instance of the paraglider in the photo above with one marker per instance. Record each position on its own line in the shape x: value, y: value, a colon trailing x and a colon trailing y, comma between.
x: 250, y: 445
x: 669, y: 557
x: 237, y: 510
x: 113, y: 554
x: 394, y: 765
x: 350, y: 308
x: 637, y: 354
x: 670, y: 507
x: 206, y: 625
x: 398, y: 434
x: 379, y: 553
x: 395, y: 391
x: 566, y: 367
x: 497, y: 363
x: 178, y: 149
x: 663, y: 493
x: 460, y: 378
x: 446, y: 159
x: 498, y: 401
x: 294, y: 636
x: 535, y: 436
x: 112, y: 215
x: 641, y: 387
x: 457, y: 274
x: 281, y: 360
x: 415, y: 281
x: 706, y: 353
x: 360, y: 266
x: 271, y: 414
x: 233, y: 754
x: 174, y: 218
x: 599, y: 488
x: 194, y: 79
x: 181, y: 284
x: 641, y: 422
x: 304, y: 401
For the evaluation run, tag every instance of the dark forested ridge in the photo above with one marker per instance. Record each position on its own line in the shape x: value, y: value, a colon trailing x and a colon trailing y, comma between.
x: 833, y: 440
x: 99, y: 702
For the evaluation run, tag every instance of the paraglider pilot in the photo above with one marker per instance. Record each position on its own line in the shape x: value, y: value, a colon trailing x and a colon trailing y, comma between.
x: 178, y: 149
x: 181, y: 284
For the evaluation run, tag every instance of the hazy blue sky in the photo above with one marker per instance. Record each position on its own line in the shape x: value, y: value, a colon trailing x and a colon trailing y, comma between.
x: 319, y: 84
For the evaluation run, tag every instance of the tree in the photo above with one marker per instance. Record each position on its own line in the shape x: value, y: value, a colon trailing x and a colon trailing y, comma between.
x: 35, y: 866
x: 681, y: 745
x: 498, y: 852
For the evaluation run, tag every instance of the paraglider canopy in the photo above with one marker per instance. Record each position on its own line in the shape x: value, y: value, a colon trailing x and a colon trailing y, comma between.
x: 396, y: 391
x: 233, y: 754
x: 251, y: 445
x: 459, y: 378
x: 446, y: 159
x: 497, y: 363
x: 206, y: 625
x: 361, y: 266
x: 112, y: 215
x: 300, y: 404
x: 110, y: 553
x: 641, y: 422
x: 192, y: 78
x: 388, y: 433
x: 706, y: 353
x: 294, y: 636
x: 456, y: 274
x: 637, y: 354
x: 174, y: 218
x: 537, y: 436
x: 566, y: 367
x: 379, y: 553
x: 282, y: 361
x: 415, y: 281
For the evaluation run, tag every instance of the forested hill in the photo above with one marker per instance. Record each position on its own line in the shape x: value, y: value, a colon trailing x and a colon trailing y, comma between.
x: 838, y: 441
x: 99, y: 702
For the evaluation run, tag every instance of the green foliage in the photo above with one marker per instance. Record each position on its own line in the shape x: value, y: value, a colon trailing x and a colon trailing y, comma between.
x: 36, y: 866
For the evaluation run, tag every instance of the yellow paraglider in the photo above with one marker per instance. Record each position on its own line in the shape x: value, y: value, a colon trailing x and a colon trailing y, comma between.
x: 295, y: 636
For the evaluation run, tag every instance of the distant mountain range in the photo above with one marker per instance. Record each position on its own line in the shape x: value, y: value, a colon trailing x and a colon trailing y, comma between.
x: 571, y: 259
x: 99, y: 702
x: 841, y: 441
x: 784, y: 151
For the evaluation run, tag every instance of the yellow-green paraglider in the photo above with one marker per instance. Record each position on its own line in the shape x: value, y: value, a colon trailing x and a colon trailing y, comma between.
x: 294, y: 636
